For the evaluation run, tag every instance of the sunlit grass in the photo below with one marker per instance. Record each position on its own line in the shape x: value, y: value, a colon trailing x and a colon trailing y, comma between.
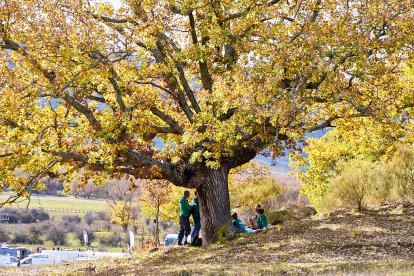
x: 60, y: 203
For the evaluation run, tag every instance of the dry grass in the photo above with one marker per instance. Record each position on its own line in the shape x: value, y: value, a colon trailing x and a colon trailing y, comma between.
x: 377, y: 242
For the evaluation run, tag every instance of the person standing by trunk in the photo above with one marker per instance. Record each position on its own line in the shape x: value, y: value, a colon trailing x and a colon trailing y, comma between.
x: 195, y: 211
x: 185, y: 210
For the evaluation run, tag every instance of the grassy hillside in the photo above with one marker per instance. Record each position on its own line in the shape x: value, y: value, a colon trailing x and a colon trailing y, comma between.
x: 381, y: 240
x: 63, y: 202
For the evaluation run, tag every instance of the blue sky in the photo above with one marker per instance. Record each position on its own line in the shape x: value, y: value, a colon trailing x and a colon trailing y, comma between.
x: 115, y: 3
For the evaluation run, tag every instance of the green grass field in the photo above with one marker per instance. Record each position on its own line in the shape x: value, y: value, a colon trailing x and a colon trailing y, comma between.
x: 63, y: 202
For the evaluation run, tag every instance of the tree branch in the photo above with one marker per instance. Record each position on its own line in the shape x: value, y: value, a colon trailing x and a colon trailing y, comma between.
x: 170, y: 79
x: 11, y: 45
x: 329, y: 121
x: 114, y: 20
x: 97, y: 99
x: 156, y: 86
x: 118, y: 92
x: 83, y: 110
x: 187, y: 89
x: 168, y: 119
x: 206, y: 78
x: 228, y: 114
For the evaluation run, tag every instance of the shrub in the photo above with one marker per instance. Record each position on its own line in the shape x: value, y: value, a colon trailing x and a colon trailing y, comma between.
x: 3, y: 236
x: 291, y: 213
x: 26, y: 218
x: 70, y: 226
x: 110, y: 239
x: 71, y: 223
x: 403, y: 166
x: 385, y: 187
x: 13, y: 218
x: 13, y: 215
x: 106, y: 226
x: 9, y: 215
x: 257, y: 186
x: 56, y: 234
x: 71, y: 219
x: 89, y: 218
x: 21, y: 238
x: 101, y: 215
x: 39, y: 215
x: 352, y: 187
x: 35, y: 234
x: 44, y: 227
x: 305, y: 211
x: 279, y: 217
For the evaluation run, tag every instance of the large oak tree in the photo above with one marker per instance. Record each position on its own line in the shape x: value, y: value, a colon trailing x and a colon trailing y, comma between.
x: 217, y: 82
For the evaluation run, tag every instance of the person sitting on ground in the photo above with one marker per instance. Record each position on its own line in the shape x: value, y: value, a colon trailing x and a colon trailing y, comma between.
x: 261, y: 219
x: 253, y: 219
x: 239, y: 226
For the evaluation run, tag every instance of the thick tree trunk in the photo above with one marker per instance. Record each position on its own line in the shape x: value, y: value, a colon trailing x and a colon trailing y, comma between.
x: 214, y: 200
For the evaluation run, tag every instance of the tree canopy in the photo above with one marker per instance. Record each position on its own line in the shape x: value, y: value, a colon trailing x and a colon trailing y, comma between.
x: 216, y: 82
x: 88, y: 86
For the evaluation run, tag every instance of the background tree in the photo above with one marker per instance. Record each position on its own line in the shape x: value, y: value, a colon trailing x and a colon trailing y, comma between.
x: 402, y: 168
x: 85, y: 86
x: 252, y: 184
x: 325, y: 157
x: 122, y: 198
x: 155, y: 194
x: 331, y: 163
x: 53, y: 187
x: 89, y: 190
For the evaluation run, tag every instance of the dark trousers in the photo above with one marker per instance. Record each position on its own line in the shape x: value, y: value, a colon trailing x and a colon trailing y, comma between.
x: 185, y: 229
x: 195, y: 232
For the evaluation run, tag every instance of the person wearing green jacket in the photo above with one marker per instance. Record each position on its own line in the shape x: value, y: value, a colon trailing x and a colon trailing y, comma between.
x: 261, y: 219
x: 195, y: 212
x: 185, y: 228
x: 238, y: 224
